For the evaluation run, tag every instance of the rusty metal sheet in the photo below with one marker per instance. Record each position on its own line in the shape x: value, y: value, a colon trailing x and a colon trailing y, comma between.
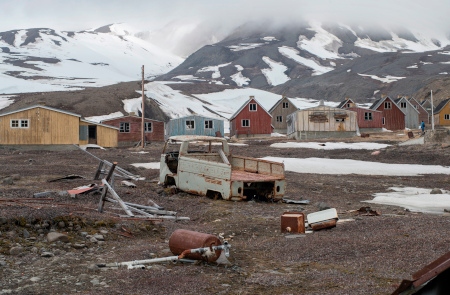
x: 293, y: 222
x: 423, y: 276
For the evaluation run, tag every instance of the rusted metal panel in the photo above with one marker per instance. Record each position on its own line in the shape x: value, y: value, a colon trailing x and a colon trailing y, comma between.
x: 323, y: 224
x: 425, y: 277
x: 293, y: 222
x: 182, y: 240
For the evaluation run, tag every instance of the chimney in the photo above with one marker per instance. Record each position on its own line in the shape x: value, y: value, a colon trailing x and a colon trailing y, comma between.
x: 383, y: 95
x: 252, y: 97
x: 132, y: 113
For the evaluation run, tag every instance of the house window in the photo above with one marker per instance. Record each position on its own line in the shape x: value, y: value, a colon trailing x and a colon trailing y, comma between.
x: 383, y: 121
x: 403, y: 105
x: 252, y: 107
x: 387, y: 105
x: 348, y: 105
x: 340, y: 120
x: 148, y: 127
x: 245, y: 123
x: 368, y: 116
x: 25, y: 123
x: 208, y: 124
x: 190, y: 124
x: 279, y: 118
x: 417, y: 107
x: 447, y: 117
x: 285, y: 105
x: 124, y: 127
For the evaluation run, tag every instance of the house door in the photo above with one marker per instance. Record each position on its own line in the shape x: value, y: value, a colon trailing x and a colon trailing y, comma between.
x: 92, y: 134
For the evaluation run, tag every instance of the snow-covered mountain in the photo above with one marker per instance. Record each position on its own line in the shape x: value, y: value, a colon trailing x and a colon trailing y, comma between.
x: 318, y: 60
x: 42, y: 59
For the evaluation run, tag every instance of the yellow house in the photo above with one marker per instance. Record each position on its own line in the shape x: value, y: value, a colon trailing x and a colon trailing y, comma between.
x: 442, y: 113
x: 45, y: 125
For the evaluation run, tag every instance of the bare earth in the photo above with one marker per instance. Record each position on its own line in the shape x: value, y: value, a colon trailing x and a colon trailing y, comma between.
x: 369, y: 255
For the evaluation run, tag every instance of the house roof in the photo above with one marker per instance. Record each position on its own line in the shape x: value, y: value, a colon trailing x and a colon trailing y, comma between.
x: 245, y: 104
x: 441, y: 105
x: 218, y: 119
x: 324, y: 107
x: 128, y: 116
x: 343, y: 103
x: 99, y: 124
x: 398, y: 100
x: 418, y: 103
x: 279, y: 101
x: 40, y: 106
x: 378, y: 102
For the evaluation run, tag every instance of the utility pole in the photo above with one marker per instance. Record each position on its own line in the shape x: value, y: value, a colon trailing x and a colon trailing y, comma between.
x: 432, y: 112
x: 143, y: 111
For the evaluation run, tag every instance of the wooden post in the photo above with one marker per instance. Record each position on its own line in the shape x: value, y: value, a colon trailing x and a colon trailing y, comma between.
x: 143, y: 111
x: 99, y: 170
x: 101, y: 203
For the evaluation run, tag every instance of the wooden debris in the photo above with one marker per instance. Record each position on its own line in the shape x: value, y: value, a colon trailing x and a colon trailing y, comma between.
x: 127, y: 183
x: 71, y: 176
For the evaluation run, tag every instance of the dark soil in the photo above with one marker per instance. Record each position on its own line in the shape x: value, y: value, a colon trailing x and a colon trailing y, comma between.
x: 367, y: 255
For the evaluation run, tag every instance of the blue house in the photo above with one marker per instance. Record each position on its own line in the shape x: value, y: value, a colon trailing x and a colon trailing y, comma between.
x: 195, y: 125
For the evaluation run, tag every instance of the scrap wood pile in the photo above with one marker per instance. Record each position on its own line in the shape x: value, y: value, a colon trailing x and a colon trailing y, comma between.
x: 132, y: 210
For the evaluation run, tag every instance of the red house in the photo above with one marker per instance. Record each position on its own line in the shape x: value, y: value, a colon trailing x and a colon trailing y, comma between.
x: 251, y: 120
x: 368, y: 120
x: 393, y: 117
x: 130, y: 129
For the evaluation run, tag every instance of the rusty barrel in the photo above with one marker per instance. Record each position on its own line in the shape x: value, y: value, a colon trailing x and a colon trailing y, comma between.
x: 182, y: 240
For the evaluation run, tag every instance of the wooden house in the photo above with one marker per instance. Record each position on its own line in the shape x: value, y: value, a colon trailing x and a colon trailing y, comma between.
x: 442, y: 113
x: 251, y: 120
x: 130, y: 129
x: 426, y: 104
x: 195, y: 125
x: 411, y: 113
x: 423, y: 113
x: 368, y: 120
x: 322, y: 122
x: 279, y: 112
x: 393, y: 117
x: 39, y: 124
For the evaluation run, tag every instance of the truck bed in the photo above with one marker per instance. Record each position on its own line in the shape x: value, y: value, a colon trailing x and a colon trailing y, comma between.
x: 245, y: 176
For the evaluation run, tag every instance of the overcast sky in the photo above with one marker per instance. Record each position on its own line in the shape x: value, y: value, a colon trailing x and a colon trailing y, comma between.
x: 429, y: 15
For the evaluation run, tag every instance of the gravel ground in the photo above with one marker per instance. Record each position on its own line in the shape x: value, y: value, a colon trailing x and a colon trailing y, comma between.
x: 366, y: 255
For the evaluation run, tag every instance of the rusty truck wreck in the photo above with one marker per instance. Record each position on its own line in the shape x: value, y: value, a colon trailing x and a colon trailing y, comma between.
x: 203, y: 165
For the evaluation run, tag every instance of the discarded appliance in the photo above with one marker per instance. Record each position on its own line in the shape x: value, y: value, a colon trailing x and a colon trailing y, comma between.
x: 432, y: 279
x: 179, y: 243
x: 293, y: 222
x: 322, y: 219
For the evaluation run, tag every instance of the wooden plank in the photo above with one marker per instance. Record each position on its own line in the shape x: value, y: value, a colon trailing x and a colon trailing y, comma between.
x: 118, y: 199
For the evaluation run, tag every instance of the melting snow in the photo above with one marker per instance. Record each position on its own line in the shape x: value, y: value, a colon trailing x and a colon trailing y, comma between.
x: 292, y: 53
x: 214, y: 69
x: 245, y: 46
x: 345, y: 166
x: 238, y: 78
x: 331, y: 145
x: 6, y: 100
x: 414, y: 199
x: 386, y: 79
x: 324, y: 44
x: 275, y: 75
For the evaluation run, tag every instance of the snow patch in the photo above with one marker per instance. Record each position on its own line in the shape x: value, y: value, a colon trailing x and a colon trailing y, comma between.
x: 414, y: 199
x: 275, y: 74
x: 331, y: 145
x: 293, y: 54
x: 386, y: 79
